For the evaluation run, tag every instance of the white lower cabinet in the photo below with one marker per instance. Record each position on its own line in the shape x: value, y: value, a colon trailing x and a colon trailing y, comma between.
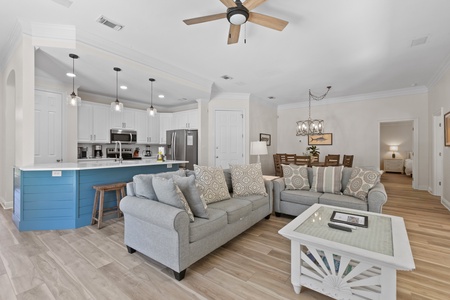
x: 93, y: 123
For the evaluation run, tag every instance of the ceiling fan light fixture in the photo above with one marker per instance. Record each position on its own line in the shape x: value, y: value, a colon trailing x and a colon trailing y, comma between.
x: 237, y: 15
x: 73, y: 99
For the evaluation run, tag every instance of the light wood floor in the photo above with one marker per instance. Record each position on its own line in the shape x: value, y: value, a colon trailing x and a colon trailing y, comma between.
x: 87, y: 263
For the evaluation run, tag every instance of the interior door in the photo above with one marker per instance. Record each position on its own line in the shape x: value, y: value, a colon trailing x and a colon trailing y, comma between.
x: 229, y: 142
x: 47, y: 129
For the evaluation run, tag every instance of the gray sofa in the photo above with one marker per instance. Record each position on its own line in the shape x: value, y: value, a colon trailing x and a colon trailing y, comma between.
x: 294, y: 202
x: 165, y: 233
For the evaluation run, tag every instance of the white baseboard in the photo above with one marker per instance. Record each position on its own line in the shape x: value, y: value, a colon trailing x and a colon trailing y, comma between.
x: 445, y: 202
x: 4, y: 204
x: 423, y: 188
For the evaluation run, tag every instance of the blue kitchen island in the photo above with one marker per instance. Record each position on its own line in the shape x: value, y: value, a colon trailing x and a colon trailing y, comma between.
x: 60, y: 196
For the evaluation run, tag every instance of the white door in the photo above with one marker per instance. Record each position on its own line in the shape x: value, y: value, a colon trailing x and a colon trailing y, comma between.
x: 47, y: 127
x: 229, y: 143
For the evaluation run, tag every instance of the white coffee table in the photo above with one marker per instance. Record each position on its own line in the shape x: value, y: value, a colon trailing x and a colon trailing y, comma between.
x: 365, y: 260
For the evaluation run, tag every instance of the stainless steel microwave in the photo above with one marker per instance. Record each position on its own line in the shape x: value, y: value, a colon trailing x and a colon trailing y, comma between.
x: 124, y: 136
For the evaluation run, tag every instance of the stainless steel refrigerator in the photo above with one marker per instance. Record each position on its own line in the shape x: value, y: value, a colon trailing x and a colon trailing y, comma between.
x: 182, y: 144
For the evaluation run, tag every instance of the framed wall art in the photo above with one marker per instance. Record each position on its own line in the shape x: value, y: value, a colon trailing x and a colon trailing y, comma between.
x: 447, y: 129
x: 265, y: 137
x: 320, y: 139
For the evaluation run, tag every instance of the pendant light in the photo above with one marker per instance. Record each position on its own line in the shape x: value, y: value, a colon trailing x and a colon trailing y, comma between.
x: 151, y: 110
x: 73, y: 99
x: 117, y: 105
x: 310, y: 126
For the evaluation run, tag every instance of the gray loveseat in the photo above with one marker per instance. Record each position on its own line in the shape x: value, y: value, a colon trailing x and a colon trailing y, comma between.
x: 165, y: 233
x: 294, y: 202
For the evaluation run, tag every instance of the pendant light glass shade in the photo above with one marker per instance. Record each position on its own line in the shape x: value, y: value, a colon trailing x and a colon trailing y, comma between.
x: 117, y: 105
x: 73, y: 99
x: 151, y: 110
x: 312, y: 126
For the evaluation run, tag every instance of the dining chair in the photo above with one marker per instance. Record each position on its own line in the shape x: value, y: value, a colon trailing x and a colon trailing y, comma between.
x: 303, y: 160
x: 277, y: 164
x: 289, y: 159
x: 332, y: 160
x: 347, y: 161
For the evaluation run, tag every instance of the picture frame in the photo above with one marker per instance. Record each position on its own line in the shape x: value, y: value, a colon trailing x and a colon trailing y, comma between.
x: 447, y: 129
x: 265, y: 137
x: 351, y: 219
x: 320, y: 139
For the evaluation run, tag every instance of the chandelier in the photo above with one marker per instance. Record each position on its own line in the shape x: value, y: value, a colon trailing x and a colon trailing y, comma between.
x: 310, y: 126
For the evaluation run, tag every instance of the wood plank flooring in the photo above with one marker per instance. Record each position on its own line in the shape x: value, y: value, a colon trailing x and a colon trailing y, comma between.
x: 88, y: 263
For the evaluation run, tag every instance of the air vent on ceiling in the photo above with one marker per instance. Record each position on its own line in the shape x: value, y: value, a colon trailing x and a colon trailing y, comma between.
x: 66, y: 3
x: 111, y: 24
x: 226, y: 77
x: 419, y: 41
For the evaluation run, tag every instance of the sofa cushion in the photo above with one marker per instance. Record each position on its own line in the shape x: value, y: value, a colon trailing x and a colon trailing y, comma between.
x: 211, y: 184
x: 361, y: 181
x: 247, y: 180
x: 300, y: 196
x: 169, y: 193
x: 205, y: 227
x: 143, y: 186
x: 256, y: 200
x: 343, y: 201
x: 327, y: 179
x: 192, y: 195
x: 295, y: 177
x: 236, y: 208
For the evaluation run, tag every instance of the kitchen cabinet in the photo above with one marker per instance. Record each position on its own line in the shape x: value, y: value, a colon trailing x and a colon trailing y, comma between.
x: 147, y: 128
x: 124, y: 119
x: 187, y: 119
x: 165, y: 123
x: 93, y: 123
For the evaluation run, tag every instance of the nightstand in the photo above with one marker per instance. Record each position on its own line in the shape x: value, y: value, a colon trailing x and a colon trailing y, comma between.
x: 393, y: 165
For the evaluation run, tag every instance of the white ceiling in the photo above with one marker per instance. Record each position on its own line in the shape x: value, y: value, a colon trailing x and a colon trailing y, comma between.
x: 357, y: 46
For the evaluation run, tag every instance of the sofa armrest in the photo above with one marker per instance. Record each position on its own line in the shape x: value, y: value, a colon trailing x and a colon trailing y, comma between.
x: 278, y: 187
x: 376, y: 198
x: 155, y: 212
x: 269, y: 190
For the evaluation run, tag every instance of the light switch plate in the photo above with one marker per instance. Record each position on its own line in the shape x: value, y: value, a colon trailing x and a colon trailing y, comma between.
x: 169, y: 166
x: 56, y: 173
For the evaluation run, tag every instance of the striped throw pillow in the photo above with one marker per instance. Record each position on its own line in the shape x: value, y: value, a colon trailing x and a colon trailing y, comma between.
x: 327, y: 180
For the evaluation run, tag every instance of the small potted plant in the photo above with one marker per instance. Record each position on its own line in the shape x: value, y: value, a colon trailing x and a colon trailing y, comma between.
x: 313, y: 152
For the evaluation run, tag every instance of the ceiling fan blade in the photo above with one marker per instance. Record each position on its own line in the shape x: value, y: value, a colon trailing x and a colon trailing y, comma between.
x: 228, y: 3
x: 267, y: 21
x: 233, y: 35
x: 251, y: 4
x: 205, y: 19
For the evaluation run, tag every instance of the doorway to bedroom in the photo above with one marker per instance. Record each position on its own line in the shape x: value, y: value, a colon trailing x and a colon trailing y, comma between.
x: 397, y: 148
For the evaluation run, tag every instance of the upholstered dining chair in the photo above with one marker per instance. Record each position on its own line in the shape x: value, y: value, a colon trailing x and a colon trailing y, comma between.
x: 332, y: 160
x: 347, y: 161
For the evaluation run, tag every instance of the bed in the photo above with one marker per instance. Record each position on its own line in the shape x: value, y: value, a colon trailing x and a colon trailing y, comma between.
x: 409, y: 163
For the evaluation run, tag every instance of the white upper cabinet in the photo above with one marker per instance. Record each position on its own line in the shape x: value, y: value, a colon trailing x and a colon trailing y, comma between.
x: 153, y: 125
x: 93, y: 123
x: 186, y: 119
x: 147, y: 128
x: 165, y: 123
x: 124, y: 119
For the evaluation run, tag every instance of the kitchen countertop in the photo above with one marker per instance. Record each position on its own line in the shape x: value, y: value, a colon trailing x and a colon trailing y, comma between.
x: 98, y: 164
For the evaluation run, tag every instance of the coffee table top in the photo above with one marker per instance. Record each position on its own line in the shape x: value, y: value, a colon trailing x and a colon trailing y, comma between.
x: 385, y: 240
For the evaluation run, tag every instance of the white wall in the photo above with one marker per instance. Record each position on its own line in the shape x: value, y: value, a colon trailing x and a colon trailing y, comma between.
x: 396, y: 133
x: 439, y: 96
x: 355, y: 128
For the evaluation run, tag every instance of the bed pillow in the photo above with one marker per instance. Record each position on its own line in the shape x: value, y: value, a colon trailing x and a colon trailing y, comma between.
x: 361, y: 181
x: 296, y: 177
x: 247, y: 180
x: 211, y: 184
x: 169, y: 193
x: 327, y: 180
x: 192, y: 195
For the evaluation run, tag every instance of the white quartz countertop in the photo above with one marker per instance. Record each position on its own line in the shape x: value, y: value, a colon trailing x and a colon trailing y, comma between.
x: 99, y: 165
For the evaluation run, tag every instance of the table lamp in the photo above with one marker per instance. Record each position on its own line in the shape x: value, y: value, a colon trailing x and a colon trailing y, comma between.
x: 258, y: 148
x: 393, y: 149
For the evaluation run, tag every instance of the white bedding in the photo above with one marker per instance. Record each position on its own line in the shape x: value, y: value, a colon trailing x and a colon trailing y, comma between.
x: 409, y: 164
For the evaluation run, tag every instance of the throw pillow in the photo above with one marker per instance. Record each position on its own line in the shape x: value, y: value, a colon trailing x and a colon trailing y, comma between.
x: 211, y: 184
x: 144, y: 186
x: 361, y: 181
x: 192, y: 195
x: 247, y: 180
x: 295, y: 177
x: 169, y: 193
x: 327, y: 179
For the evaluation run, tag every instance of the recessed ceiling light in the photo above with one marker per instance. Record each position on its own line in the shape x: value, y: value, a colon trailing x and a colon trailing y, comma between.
x: 226, y: 77
x: 161, y: 96
x: 71, y: 75
x: 123, y: 87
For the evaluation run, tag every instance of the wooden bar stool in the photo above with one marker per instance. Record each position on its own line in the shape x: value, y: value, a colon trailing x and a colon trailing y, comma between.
x: 98, y: 211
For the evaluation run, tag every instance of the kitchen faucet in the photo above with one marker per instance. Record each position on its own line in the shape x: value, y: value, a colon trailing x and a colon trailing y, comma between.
x: 120, y: 150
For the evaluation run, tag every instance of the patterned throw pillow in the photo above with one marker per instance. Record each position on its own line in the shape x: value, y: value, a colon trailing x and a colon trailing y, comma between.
x: 327, y: 179
x: 169, y: 193
x: 211, y: 184
x: 361, y: 181
x: 247, y: 180
x: 295, y: 177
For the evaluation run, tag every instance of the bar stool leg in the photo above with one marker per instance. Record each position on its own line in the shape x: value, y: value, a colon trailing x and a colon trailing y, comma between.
x: 95, y: 208
x: 100, y: 209
x: 118, y: 202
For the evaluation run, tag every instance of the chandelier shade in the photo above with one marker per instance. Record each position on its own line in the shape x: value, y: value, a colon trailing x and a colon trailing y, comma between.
x: 117, y: 106
x: 73, y: 99
x: 312, y: 126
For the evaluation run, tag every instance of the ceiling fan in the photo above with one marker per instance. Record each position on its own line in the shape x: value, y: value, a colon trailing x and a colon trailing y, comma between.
x: 239, y: 13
